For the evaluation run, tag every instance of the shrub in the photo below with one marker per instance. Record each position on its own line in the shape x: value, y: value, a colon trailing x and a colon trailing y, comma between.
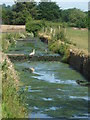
x: 34, y: 26
x: 63, y: 48
x: 65, y: 56
x: 54, y: 46
x: 60, y: 35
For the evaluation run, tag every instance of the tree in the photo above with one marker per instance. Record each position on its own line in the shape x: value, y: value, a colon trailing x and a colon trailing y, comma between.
x: 33, y: 26
x: 22, y: 10
x: 75, y: 17
x: 49, y: 11
x: 18, y: 13
x: 7, y: 14
x: 88, y: 20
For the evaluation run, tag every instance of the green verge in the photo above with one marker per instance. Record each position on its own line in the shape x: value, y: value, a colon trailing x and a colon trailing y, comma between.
x: 12, y: 105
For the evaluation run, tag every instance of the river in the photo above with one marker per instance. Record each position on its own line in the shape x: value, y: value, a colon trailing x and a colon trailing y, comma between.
x: 50, y: 91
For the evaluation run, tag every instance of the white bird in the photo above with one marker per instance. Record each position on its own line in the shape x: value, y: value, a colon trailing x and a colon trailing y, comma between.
x: 32, y: 53
x: 46, y: 50
x: 32, y: 69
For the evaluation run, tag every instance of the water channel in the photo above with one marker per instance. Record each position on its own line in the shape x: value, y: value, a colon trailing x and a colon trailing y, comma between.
x: 51, y: 90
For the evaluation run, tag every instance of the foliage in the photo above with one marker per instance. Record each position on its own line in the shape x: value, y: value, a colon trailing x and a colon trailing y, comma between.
x: 7, y: 14
x: 9, y: 39
x: 63, y: 48
x: 18, y: 13
x: 54, y: 46
x: 75, y: 17
x: 88, y: 20
x: 60, y: 35
x: 34, y: 26
x: 48, y: 11
x: 11, y: 106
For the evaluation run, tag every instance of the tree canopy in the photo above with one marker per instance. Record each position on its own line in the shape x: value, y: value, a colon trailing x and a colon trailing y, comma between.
x: 50, y: 11
x: 75, y: 16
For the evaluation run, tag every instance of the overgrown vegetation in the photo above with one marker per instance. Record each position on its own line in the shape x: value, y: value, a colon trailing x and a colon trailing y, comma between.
x: 61, y: 39
x: 12, y: 106
x: 11, y: 102
x: 10, y: 39
x: 34, y: 26
x: 57, y: 40
x: 75, y: 18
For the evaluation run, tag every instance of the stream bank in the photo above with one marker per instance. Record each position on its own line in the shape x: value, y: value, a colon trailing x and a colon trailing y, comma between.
x: 76, y: 58
x: 80, y: 62
x: 12, y: 107
x: 11, y: 104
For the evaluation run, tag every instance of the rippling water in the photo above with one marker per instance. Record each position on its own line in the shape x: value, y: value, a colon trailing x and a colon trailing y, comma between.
x: 51, y: 90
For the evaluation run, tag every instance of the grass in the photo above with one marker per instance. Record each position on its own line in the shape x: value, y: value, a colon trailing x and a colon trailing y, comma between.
x: 57, y: 40
x: 78, y: 37
x: 11, y: 102
x: 62, y: 39
x: 12, y: 106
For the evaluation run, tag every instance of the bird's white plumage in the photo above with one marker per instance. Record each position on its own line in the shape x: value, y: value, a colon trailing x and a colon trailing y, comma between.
x: 32, y: 53
x: 32, y: 69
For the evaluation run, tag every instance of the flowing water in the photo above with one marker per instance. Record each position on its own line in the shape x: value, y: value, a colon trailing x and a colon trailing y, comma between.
x: 50, y: 91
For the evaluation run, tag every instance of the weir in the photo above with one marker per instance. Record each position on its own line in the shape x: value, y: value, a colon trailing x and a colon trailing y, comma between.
x: 22, y: 57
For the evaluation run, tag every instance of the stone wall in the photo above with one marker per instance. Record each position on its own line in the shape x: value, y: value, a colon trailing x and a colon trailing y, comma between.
x: 80, y: 62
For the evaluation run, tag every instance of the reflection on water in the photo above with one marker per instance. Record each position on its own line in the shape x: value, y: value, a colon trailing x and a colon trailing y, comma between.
x: 51, y: 91
x: 38, y: 115
x: 51, y: 78
x: 47, y: 99
x: 84, y: 97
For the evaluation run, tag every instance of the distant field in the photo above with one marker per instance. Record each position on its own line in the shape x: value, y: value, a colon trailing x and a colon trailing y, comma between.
x: 78, y: 36
x: 12, y: 28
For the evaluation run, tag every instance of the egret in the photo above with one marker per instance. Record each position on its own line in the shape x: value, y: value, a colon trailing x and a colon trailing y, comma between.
x: 32, y: 69
x: 32, y: 53
x: 46, y: 50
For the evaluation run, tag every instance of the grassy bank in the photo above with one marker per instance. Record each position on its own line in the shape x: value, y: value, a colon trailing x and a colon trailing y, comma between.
x: 71, y: 44
x: 12, y: 106
x: 78, y: 37
x: 11, y: 103
x: 57, y: 41
x: 61, y: 38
